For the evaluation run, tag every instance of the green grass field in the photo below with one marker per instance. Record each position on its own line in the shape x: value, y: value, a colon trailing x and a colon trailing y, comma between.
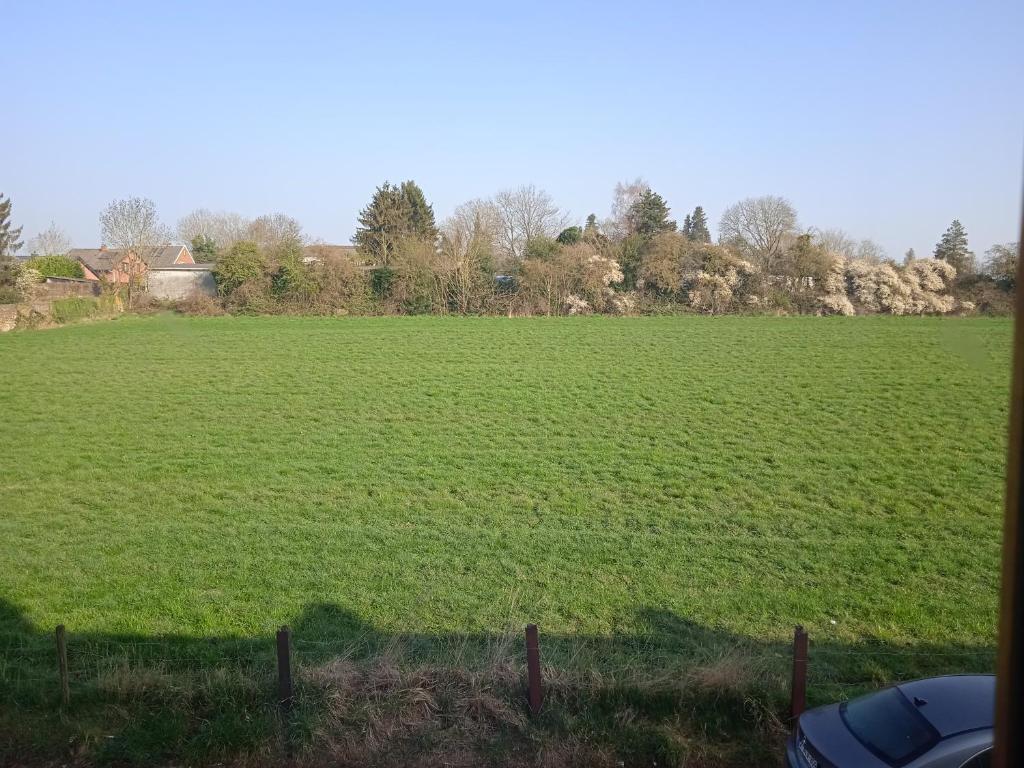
x: 684, y: 483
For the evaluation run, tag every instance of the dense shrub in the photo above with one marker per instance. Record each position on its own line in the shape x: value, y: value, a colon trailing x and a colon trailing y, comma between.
x: 665, y: 261
x: 200, y: 305
x: 572, y: 279
x: 418, y: 278
x: 17, y: 282
x: 243, y: 263
x: 919, y: 288
x: 709, y: 277
x: 75, y: 308
x: 56, y: 266
x: 542, y: 248
x: 837, y: 304
x: 344, y: 287
x: 27, y: 282
x: 595, y: 277
x: 989, y: 295
x: 292, y: 280
x: 381, y: 280
x: 253, y: 297
x: 281, y: 279
x: 714, y: 291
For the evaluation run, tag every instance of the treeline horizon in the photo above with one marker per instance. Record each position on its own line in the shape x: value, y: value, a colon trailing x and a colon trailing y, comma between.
x: 518, y: 252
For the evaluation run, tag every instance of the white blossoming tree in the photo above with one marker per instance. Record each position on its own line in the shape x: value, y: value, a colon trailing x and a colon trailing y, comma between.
x: 920, y: 287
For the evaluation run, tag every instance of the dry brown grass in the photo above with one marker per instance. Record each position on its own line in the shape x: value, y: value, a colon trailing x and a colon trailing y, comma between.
x: 206, y: 306
x: 380, y: 712
x: 394, y: 709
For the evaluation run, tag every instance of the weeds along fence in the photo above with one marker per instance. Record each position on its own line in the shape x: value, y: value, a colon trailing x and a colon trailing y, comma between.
x: 54, y: 670
x: 65, y: 663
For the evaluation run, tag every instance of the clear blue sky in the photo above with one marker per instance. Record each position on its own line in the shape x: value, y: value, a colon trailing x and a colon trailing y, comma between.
x: 887, y: 119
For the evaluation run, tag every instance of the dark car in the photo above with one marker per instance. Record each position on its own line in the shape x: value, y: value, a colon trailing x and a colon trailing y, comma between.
x: 938, y: 722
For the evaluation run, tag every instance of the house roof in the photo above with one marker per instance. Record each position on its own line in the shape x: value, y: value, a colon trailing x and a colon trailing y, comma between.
x: 204, y: 267
x: 103, y: 259
x: 96, y: 259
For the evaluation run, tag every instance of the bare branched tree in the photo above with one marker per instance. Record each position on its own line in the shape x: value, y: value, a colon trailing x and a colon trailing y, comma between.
x: 760, y: 227
x: 273, y: 230
x: 132, y: 226
x: 1001, y: 263
x: 525, y: 212
x: 52, y: 241
x: 224, y: 228
x: 870, y: 251
x: 836, y: 242
x: 469, y: 241
x: 616, y: 226
x: 477, y: 220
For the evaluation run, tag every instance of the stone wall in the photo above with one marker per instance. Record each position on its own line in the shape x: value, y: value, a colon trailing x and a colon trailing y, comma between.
x: 8, y: 317
x: 32, y: 312
x: 62, y: 287
x: 43, y: 295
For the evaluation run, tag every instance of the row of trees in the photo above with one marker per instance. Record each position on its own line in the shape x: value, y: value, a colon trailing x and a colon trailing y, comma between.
x: 517, y: 252
x: 640, y: 257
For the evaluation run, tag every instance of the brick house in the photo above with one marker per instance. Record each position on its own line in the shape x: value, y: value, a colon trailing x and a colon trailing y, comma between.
x: 114, y: 265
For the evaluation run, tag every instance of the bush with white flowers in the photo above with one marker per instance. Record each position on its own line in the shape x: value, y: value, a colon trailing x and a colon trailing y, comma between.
x: 576, y: 305
x: 713, y: 288
x: 918, y: 288
x: 27, y: 283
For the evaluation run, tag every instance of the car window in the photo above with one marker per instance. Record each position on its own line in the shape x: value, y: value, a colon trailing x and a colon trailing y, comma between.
x: 889, y: 725
x: 983, y: 760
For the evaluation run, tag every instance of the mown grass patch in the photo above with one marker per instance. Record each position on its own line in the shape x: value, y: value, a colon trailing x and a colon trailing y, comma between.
x: 651, y: 489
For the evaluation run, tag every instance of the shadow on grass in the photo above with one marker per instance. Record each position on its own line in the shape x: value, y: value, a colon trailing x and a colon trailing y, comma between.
x: 673, y: 693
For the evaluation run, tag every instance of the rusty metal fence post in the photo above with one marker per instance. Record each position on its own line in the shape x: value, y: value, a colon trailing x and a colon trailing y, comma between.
x: 533, y: 669
x: 798, y: 691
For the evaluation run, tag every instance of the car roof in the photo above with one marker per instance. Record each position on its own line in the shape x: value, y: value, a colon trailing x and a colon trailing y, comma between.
x: 955, y: 703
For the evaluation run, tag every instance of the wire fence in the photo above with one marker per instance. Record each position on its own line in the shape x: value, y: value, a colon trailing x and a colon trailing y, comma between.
x: 30, y: 664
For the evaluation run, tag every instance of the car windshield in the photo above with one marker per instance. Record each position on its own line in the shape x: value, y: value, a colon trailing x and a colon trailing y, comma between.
x: 889, y: 725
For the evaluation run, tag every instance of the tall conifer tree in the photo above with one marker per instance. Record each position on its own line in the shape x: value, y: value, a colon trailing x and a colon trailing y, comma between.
x: 699, y: 231
x: 648, y: 216
x: 952, y: 248
x: 10, y: 236
x: 382, y: 223
x: 420, y: 213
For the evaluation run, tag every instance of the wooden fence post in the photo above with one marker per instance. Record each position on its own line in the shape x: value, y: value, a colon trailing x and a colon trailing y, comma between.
x: 285, y: 695
x: 798, y: 692
x: 62, y: 666
x: 533, y: 668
